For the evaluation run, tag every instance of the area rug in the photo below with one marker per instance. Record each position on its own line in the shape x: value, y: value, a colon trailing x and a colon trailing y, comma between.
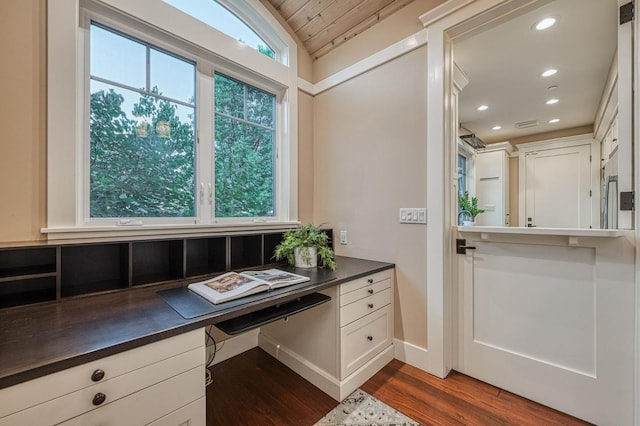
x: 362, y: 409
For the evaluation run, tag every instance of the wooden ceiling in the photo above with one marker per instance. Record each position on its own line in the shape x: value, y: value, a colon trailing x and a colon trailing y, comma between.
x: 324, y: 24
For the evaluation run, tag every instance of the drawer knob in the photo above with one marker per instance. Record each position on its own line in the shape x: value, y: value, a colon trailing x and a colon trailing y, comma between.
x: 370, y: 280
x: 370, y: 338
x: 97, y: 375
x: 370, y: 305
x: 99, y: 398
x: 370, y: 291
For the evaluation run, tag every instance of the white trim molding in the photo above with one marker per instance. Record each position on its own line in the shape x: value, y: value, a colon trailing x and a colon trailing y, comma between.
x: 411, y: 354
x: 381, y: 57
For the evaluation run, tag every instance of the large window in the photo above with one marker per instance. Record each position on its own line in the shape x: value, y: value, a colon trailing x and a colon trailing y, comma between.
x: 142, y: 139
x: 174, y: 125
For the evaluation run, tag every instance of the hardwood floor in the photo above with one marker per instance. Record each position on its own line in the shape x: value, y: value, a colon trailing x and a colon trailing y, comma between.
x: 255, y: 389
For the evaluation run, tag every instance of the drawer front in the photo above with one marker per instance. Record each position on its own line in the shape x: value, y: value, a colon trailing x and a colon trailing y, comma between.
x: 362, y: 307
x: 193, y: 414
x: 46, y: 388
x: 365, y: 291
x: 362, y: 282
x: 148, y: 405
x: 82, y: 401
x: 364, y: 339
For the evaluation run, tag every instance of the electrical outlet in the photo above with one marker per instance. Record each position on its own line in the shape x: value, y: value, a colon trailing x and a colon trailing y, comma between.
x: 343, y: 237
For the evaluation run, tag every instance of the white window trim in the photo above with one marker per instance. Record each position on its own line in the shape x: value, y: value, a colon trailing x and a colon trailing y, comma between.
x: 66, y: 111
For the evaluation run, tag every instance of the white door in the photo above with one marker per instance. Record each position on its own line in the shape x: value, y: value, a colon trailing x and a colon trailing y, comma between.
x: 550, y: 321
x: 558, y: 191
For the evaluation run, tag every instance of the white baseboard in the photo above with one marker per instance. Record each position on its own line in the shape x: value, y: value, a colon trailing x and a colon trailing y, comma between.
x: 411, y: 354
x: 235, y: 346
x: 336, y: 389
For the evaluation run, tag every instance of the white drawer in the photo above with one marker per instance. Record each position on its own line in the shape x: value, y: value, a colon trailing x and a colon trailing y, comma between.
x: 364, y: 291
x: 364, y: 281
x: 75, y: 403
x: 151, y: 404
x: 364, y: 339
x: 362, y: 307
x: 37, y: 391
x: 193, y: 414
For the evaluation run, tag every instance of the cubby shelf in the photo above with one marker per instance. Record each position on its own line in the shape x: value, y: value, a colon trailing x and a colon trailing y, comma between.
x: 48, y: 272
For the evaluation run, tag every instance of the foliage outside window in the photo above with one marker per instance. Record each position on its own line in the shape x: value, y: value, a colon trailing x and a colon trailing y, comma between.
x: 244, y: 150
x: 142, y: 143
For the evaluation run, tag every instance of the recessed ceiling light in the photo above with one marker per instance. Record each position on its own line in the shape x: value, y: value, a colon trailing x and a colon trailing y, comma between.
x: 554, y: 120
x: 552, y: 101
x: 552, y: 87
x: 545, y: 23
x: 549, y: 72
x: 483, y: 108
x: 496, y: 127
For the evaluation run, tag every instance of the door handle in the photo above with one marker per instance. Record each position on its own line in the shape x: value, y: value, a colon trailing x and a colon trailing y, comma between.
x: 462, y: 247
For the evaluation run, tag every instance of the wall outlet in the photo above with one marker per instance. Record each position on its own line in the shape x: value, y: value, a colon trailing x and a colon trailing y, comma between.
x: 413, y: 215
x: 343, y: 237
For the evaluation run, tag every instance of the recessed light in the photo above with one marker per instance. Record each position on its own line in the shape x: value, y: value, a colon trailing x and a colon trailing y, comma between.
x: 496, y: 127
x: 552, y: 101
x: 552, y: 87
x: 554, y: 120
x: 483, y: 108
x: 549, y: 72
x: 545, y: 23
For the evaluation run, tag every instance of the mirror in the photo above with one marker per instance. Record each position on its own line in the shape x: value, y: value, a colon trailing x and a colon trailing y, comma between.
x: 551, y: 155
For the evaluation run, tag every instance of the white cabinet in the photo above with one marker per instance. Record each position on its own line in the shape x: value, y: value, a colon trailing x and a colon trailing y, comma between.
x: 492, y: 184
x: 339, y: 345
x: 136, y: 387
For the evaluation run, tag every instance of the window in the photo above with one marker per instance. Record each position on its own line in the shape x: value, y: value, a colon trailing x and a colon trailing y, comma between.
x: 462, y: 174
x: 244, y: 150
x: 219, y: 17
x: 142, y: 143
x: 173, y: 125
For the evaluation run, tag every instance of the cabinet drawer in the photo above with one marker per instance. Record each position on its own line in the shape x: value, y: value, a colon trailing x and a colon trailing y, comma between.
x: 362, y: 307
x: 364, y: 281
x: 364, y: 339
x: 193, y: 414
x: 148, y: 405
x: 46, y: 388
x: 364, y: 291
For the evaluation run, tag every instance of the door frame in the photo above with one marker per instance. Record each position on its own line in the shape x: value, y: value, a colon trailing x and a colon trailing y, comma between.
x: 443, y: 24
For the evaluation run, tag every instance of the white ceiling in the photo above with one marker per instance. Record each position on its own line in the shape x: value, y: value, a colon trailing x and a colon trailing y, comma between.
x: 504, y: 63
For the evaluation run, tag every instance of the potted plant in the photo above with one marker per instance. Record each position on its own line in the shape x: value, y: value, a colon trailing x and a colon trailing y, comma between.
x: 468, y: 205
x: 302, y: 246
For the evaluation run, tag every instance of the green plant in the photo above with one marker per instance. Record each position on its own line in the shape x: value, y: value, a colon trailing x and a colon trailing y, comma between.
x: 470, y: 204
x: 304, y: 237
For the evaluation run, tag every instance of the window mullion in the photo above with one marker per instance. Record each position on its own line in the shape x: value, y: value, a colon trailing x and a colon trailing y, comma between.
x: 205, y: 147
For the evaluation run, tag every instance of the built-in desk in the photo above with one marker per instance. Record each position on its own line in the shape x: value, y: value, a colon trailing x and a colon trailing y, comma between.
x: 37, y: 340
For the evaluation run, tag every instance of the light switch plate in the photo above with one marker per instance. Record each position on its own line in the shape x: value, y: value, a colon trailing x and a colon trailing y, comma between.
x: 413, y: 215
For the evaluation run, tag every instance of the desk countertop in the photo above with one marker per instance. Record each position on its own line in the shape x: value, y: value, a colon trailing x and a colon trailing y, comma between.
x: 46, y: 338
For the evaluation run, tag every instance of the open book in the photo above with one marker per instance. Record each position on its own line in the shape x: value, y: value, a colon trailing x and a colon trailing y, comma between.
x: 233, y: 285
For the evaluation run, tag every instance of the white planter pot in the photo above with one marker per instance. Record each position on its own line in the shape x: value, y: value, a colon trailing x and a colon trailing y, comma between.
x: 301, y: 255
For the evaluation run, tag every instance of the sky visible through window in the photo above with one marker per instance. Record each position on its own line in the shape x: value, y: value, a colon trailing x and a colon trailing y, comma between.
x: 217, y: 16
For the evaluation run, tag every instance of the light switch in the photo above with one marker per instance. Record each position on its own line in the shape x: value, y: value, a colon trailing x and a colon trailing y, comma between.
x: 413, y: 215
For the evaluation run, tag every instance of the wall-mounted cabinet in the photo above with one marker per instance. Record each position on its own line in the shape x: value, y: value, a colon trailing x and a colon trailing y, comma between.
x: 50, y: 272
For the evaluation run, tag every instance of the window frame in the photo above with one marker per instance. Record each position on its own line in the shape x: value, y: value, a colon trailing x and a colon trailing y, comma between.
x: 246, y: 65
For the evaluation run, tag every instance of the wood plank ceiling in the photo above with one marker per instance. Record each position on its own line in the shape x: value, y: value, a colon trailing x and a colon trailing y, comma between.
x: 325, y: 24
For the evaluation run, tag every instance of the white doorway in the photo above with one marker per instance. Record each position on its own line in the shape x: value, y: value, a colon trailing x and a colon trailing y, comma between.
x: 559, y: 184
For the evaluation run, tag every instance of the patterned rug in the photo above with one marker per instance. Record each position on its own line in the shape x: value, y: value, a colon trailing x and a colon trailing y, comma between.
x: 362, y: 409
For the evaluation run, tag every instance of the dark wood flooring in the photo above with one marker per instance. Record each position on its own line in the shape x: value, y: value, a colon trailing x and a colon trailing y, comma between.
x: 255, y: 389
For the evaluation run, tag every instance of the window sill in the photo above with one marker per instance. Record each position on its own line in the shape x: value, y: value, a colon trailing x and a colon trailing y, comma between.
x: 115, y: 231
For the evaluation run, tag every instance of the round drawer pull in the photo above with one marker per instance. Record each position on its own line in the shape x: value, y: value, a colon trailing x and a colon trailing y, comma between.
x: 370, y: 305
x: 370, y: 280
x: 370, y: 338
x: 98, y: 398
x: 370, y: 291
x: 97, y: 375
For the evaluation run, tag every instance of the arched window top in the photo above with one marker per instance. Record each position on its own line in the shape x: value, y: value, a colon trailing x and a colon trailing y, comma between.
x: 217, y: 16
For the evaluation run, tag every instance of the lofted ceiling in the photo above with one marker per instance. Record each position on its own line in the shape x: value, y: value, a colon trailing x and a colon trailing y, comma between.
x: 324, y: 24
x: 504, y: 63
